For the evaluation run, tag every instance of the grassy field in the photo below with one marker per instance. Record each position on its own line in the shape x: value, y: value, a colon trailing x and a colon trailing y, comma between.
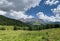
x: 20, y: 35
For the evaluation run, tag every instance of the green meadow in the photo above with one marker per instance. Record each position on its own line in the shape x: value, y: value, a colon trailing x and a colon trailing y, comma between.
x: 24, y: 35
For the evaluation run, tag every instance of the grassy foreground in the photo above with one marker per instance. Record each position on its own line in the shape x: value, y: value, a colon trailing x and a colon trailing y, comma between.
x: 20, y: 35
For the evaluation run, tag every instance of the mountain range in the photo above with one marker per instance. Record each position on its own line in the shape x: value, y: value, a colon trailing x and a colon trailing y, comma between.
x: 33, y: 21
x: 8, y: 21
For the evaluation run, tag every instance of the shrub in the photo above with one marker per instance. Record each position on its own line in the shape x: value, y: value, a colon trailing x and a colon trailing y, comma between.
x: 2, y: 28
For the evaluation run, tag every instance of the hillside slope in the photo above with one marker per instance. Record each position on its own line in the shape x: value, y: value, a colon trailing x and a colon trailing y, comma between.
x: 7, y: 21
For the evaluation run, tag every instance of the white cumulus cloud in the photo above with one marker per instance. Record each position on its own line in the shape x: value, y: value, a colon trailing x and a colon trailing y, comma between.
x: 2, y: 12
x: 54, y: 18
x: 18, y: 5
x: 18, y: 15
x: 56, y: 11
x: 44, y: 17
x: 51, y: 2
x: 18, y: 8
x: 5, y: 3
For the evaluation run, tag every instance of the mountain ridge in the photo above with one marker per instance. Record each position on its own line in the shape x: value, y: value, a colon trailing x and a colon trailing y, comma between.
x: 8, y: 21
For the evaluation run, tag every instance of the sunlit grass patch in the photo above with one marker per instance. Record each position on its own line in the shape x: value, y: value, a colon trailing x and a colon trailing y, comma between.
x: 22, y: 35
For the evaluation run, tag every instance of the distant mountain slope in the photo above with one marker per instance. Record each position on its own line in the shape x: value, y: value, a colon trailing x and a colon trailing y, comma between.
x: 33, y: 21
x: 7, y: 21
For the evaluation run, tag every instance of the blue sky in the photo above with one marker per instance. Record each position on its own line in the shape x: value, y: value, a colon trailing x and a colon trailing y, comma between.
x: 42, y: 8
x: 47, y: 10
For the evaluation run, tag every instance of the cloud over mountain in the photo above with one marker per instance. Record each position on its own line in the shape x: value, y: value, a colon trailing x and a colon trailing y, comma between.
x: 17, y: 6
x: 44, y: 17
x: 17, y: 9
x: 55, y: 18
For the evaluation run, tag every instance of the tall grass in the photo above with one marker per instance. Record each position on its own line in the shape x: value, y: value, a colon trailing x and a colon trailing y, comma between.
x: 21, y: 35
